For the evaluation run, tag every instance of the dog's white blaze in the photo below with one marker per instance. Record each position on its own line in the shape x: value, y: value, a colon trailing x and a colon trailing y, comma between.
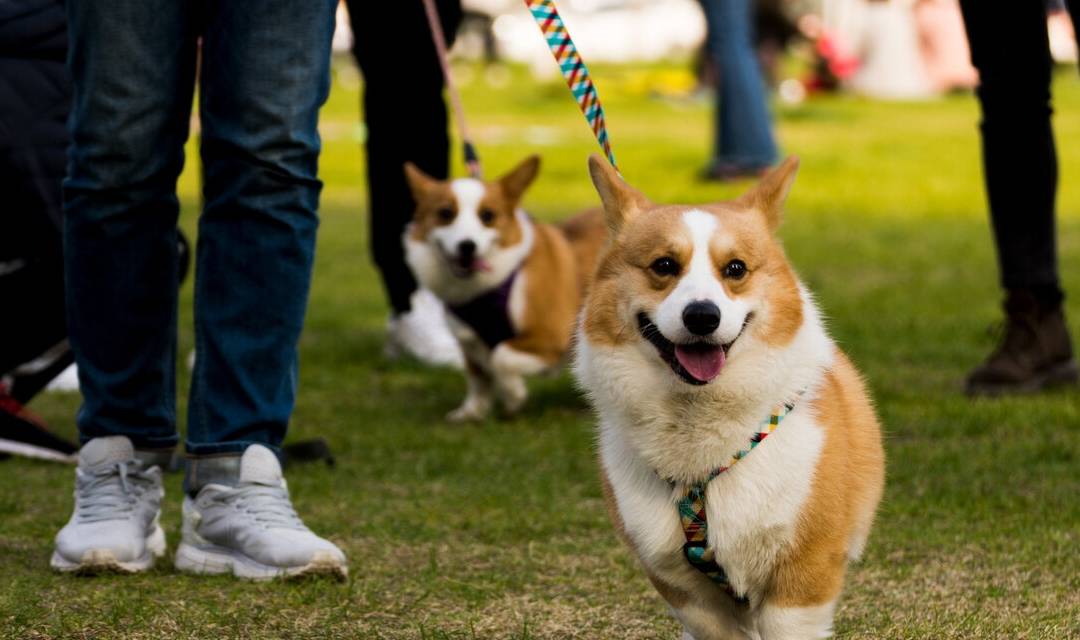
x: 468, y: 192
x: 698, y: 283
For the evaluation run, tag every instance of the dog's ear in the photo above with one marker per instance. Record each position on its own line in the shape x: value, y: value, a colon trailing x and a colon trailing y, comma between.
x: 420, y: 183
x: 519, y: 178
x: 621, y: 201
x: 768, y: 195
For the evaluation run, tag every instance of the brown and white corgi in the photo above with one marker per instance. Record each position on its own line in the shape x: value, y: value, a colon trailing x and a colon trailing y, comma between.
x: 696, y: 341
x: 513, y: 285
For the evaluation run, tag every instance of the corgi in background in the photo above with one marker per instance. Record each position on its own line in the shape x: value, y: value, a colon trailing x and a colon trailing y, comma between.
x: 512, y: 285
x: 741, y: 456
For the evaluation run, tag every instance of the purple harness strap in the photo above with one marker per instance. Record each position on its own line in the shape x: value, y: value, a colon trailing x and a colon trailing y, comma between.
x: 489, y: 314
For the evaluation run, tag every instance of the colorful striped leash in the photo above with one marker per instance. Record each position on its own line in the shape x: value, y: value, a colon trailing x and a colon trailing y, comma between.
x: 472, y: 159
x: 573, y: 69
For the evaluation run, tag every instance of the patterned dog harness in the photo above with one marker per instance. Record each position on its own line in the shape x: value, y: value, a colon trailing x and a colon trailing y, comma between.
x: 489, y: 313
x: 695, y: 524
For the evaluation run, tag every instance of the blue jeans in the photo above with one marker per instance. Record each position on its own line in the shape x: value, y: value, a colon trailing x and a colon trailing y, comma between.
x: 264, y: 75
x: 744, y: 136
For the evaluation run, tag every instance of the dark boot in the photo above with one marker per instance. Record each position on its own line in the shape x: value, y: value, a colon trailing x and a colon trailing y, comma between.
x: 1035, y: 352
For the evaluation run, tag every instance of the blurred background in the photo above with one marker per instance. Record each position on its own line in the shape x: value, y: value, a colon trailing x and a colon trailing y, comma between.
x: 888, y: 49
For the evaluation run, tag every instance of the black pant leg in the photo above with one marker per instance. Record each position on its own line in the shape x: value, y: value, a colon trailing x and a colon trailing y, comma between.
x: 1010, y: 48
x: 35, y: 95
x: 32, y: 298
x: 406, y: 120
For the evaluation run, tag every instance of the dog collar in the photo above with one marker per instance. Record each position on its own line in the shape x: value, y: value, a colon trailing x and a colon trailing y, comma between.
x: 489, y: 313
x: 691, y: 506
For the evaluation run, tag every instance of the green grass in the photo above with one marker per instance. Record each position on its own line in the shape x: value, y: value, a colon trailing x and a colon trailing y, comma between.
x: 498, y: 530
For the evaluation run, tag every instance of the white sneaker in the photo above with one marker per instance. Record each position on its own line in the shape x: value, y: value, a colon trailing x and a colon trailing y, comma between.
x: 117, y: 504
x: 68, y: 380
x: 422, y: 333
x: 251, y: 530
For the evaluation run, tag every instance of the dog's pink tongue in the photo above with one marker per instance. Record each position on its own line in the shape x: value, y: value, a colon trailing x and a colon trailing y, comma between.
x: 702, y: 363
x: 479, y: 264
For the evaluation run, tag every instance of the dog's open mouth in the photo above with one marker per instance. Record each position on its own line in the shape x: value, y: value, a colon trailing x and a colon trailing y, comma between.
x: 465, y: 266
x: 696, y: 363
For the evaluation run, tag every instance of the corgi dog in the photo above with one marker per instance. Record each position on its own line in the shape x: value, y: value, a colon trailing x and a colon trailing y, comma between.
x: 512, y: 285
x: 696, y: 341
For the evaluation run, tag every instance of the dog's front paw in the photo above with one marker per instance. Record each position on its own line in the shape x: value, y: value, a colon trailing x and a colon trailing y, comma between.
x: 512, y: 394
x: 467, y: 412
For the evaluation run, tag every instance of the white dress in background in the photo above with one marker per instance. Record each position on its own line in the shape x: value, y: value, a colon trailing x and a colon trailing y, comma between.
x: 887, y: 44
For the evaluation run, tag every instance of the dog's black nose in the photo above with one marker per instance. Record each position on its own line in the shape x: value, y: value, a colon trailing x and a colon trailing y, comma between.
x: 701, y: 318
x: 466, y: 249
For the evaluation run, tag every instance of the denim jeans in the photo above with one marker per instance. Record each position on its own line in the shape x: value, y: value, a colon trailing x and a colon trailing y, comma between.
x: 264, y: 73
x: 744, y: 135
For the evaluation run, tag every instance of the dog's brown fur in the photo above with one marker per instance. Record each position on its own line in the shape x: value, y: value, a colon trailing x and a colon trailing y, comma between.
x: 555, y: 273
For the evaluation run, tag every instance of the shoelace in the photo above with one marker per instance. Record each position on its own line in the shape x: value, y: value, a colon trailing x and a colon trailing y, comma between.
x: 269, y: 506
x: 111, y: 492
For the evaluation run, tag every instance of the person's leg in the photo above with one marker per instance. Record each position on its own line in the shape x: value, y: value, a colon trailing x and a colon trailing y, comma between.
x: 132, y: 63
x: 33, y: 141
x: 265, y: 74
x: 744, y: 137
x: 406, y: 121
x: 1020, y: 167
x: 32, y: 320
x: 1019, y: 158
x: 31, y: 297
x: 32, y: 148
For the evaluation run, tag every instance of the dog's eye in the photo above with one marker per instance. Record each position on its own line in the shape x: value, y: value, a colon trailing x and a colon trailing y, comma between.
x: 487, y: 216
x: 735, y: 270
x: 445, y: 214
x: 665, y: 267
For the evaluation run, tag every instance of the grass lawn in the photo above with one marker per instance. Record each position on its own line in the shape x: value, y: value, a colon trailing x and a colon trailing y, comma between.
x: 498, y: 530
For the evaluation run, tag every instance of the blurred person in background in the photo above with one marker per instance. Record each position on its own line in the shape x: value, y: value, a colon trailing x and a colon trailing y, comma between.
x: 406, y: 120
x: 35, y: 96
x: 263, y: 73
x: 744, y: 145
x: 890, y: 60
x: 944, y: 46
x: 909, y: 51
x: 1010, y: 48
x: 775, y: 33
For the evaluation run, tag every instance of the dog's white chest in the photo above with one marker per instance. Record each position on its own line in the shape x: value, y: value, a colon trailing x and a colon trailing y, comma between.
x: 752, y: 509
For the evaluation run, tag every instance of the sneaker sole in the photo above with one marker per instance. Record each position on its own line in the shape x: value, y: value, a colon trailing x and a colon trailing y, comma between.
x: 1060, y: 375
x: 213, y: 560
x: 38, y: 452
x: 98, y: 561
